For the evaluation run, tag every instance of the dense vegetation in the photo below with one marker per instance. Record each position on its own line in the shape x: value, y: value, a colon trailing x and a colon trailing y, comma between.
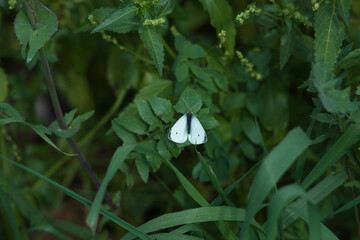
x: 90, y: 89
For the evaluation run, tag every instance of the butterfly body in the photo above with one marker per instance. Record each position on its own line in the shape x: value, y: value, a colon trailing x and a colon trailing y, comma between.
x: 188, y: 127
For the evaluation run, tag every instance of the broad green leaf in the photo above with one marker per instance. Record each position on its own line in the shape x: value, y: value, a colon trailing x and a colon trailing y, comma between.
x: 195, y: 215
x: 207, y: 82
x: 328, y: 35
x: 147, y: 114
x: 250, y: 130
x: 207, y: 120
x: 132, y: 123
x: 189, y: 100
x: 152, y: 40
x: 335, y: 152
x: 47, y: 25
x: 280, y: 200
x: 150, y: 149
x: 344, y: 9
x: 162, y: 108
x: 287, y: 43
x: 126, y: 136
x: 117, y: 159
x: 271, y: 170
x: 221, y: 18
x: 219, y: 78
x: 163, y: 149
x: 351, y: 60
x: 84, y: 201
x: 158, y: 88
x: 23, y: 30
x: 121, y: 21
x: 182, y: 72
x: 3, y: 85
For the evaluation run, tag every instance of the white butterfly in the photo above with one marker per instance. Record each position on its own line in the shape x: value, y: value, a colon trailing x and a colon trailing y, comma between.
x: 188, y: 127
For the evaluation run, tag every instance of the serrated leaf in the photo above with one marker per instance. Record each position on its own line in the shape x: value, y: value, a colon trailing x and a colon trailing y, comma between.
x: 126, y: 136
x: 200, y: 73
x: 143, y: 167
x: 219, y: 78
x: 162, y: 108
x: 3, y: 85
x: 328, y: 35
x: 121, y: 21
x: 344, y: 9
x: 152, y: 40
x: 149, y: 149
x: 207, y: 120
x: 132, y: 123
x: 221, y: 18
x: 47, y: 25
x: 147, y: 114
x: 23, y: 30
x: 159, y: 88
x: 287, y: 43
x: 162, y: 149
x: 351, y: 60
x: 189, y: 100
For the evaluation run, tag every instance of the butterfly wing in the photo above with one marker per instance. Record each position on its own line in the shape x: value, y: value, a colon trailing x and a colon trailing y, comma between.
x: 197, y: 133
x: 178, y: 133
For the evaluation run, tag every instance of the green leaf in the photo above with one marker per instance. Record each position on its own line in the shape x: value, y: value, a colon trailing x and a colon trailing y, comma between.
x: 328, y: 35
x: 117, y: 159
x: 143, y: 167
x: 189, y: 100
x: 132, y: 123
x: 152, y: 40
x: 23, y: 30
x: 121, y: 21
x: 287, y: 43
x: 3, y: 85
x: 324, y: 118
x: 126, y: 136
x: 271, y: 170
x: 182, y: 72
x: 201, y: 74
x: 147, y: 114
x: 158, y: 88
x: 344, y: 9
x: 207, y: 120
x: 234, y: 101
x: 351, y: 60
x: 162, y: 108
x: 221, y: 18
x: 250, y: 130
x: 47, y: 25
x: 149, y: 149
x: 163, y: 149
x: 335, y: 152
x: 279, y: 201
x: 9, y: 215
x: 195, y: 215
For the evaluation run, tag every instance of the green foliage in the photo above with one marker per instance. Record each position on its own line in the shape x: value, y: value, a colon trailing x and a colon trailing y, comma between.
x: 282, y: 119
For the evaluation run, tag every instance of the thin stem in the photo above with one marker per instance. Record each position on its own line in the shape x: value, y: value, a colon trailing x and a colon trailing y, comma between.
x: 57, y: 108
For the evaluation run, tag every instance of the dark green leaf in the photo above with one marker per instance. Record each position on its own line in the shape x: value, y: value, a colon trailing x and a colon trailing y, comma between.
x: 287, y: 43
x: 3, y: 85
x: 126, y: 136
x: 189, y: 100
x: 351, y: 60
x: 162, y: 108
x: 147, y: 114
x: 158, y: 88
x: 23, y: 30
x: 344, y: 9
x: 143, y: 167
x: 132, y: 123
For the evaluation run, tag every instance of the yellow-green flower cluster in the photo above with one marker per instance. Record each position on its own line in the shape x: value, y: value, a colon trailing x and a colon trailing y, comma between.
x: 105, y: 36
x: 153, y: 22
x: 252, y: 9
x: 146, y: 3
x: 222, y: 38
x: 248, y: 66
x: 315, y: 5
x: 12, y: 4
x: 304, y: 20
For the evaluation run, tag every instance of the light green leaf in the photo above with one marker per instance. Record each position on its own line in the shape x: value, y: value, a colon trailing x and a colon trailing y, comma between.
x: 132, y: 123
x: 328, y: 35
x: 189, y: 100
x: 271, y: 170
x: 147, y: 114
x: 3, y: 85
x: 344, y: 9
x: 142, y: 167
x: 152, y: 40
x: 158, y: 88
x: 23, y: 30
x: 351, y: 60
x: 162, y: 108
x: 117, y: 159
x: 287, y: 43
x: 221, y: 18
x: 121, y: 21
x: 47, y: 25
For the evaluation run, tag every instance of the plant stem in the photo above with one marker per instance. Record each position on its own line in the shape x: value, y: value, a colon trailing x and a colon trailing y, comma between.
x: 57, y: 108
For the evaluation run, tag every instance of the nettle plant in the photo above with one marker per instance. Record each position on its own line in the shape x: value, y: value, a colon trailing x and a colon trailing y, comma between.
x: 298, y: 59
